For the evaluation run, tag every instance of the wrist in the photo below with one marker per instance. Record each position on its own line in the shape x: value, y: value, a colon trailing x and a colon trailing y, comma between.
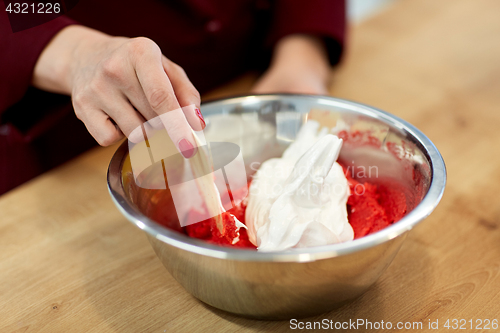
x: 306, y: 53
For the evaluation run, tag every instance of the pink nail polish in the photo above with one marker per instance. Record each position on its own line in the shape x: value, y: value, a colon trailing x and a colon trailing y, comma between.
x: 186, y: 148
x: 198, y: 113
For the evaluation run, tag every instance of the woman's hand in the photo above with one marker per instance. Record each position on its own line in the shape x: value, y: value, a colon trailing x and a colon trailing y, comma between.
x: 299, y: 65
x: 118, y: 83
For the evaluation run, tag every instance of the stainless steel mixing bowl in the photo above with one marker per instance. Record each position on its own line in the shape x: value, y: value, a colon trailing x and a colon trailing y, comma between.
x: 299, y: 282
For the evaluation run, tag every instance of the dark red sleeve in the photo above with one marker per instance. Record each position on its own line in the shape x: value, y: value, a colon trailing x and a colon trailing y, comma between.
x: 18, y: 55
x: 324, y: 18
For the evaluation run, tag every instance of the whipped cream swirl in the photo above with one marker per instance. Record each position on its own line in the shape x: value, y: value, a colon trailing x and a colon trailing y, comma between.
x: 299, y: 200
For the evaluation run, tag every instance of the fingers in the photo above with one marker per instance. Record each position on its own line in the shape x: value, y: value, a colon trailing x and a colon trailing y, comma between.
x: 186, y: 93
x: 131, y: 84
x: 162, y: 98
x: 194, y: 117
x: 127, y: 119
x: 100, y: 126
x: 138, y: 100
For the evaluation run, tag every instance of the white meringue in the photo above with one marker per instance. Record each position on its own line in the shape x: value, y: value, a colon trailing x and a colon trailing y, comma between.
x: 299, y: 200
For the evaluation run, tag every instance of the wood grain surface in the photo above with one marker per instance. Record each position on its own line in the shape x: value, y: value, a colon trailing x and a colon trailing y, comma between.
x: 69, y: 261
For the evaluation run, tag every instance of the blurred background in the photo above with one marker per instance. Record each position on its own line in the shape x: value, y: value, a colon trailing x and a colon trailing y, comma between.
x: 358, y: 10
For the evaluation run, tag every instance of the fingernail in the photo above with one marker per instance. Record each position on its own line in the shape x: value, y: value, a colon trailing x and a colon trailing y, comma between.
x: 186, y: 148
x: 198, y: 113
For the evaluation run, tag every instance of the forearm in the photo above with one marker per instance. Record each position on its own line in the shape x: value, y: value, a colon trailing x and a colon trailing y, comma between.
x: 53, y: 68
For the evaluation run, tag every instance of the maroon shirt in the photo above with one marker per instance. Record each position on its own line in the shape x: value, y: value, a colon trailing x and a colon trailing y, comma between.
x: 213, y: 40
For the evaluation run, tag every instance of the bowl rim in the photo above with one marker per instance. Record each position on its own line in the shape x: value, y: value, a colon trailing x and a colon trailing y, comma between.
x: 184, y: 242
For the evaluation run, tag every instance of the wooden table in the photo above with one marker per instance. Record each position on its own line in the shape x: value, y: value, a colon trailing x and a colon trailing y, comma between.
x: 69, y: 261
